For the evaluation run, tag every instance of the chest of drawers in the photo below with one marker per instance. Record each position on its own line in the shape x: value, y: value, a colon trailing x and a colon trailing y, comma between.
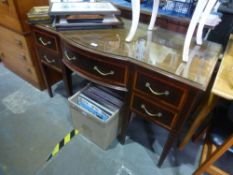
x: 16, y: 49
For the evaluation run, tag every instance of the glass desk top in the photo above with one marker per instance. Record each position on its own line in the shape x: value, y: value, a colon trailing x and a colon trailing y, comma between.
x: 159, y: 50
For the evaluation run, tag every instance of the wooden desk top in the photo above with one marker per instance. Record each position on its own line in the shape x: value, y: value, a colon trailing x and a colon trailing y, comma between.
x: 159, y: 50
x: 223, y: 85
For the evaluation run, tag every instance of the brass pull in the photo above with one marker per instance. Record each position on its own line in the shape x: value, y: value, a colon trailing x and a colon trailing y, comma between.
x: 48, y: 60
x: 68, y: 57
x: 44, y: 43
x: 22, y: 57
x: 18, y: 42
x: 159, y: 114
x: 29, y: 70
x: 166, y: 93
x: 102, y: 73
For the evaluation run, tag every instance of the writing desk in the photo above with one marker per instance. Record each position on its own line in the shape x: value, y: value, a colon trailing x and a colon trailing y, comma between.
x: 222, y: 87
x: 158, y: 86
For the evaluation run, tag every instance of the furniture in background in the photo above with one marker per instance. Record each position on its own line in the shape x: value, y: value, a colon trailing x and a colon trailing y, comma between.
x: 158, y: 86
x: 16, y: 48
x: 223, y: 88
x: 219, y: 140
x: 177, y: 23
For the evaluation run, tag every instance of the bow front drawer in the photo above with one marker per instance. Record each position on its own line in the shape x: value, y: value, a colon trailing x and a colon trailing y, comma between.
x: 159, y: 88
x: 96, y: 67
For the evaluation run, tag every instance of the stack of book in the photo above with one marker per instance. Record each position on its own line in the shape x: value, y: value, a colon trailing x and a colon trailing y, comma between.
x: 39, y: 14
x: 100, y: 102
x: 84, y: 15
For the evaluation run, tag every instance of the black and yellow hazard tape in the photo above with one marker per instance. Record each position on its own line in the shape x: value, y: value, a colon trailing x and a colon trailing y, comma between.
x: 62, y: 143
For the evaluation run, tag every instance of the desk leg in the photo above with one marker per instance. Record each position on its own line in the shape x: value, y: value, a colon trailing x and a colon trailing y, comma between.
x: 45, y: 73
x: 166, y: 149
x: 208, y: 106
x: 125, y: 122
x: 67, y: 78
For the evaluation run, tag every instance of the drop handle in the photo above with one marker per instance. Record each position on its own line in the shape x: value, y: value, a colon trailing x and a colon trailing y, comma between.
x: 68, y: 57
x: 166, y: 92
x: 18, y: 42
x: 48, y: 60
x: 22, y: 57
x: 43, y: 42
x: 159, y: 114
x: 103, y: 73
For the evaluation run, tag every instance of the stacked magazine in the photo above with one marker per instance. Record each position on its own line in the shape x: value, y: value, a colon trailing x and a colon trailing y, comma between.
x: 100, y: 102
x: 84, y: 15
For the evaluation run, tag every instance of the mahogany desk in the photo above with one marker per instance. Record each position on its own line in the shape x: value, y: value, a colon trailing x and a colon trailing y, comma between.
x: 158, y: 86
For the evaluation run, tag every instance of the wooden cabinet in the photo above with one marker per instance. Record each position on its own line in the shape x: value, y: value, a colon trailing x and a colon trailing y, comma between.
x: 17, y: 51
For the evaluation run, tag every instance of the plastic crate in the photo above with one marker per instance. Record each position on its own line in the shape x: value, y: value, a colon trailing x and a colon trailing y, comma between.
x: 100, y: 132
x: 178, y: 8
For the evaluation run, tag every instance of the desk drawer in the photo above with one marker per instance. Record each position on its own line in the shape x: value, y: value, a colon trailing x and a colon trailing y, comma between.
x: 159, y: 88
x: 153, y: 112
x: 49, y: 58
x: 100, y: 69
x: 46, y: 40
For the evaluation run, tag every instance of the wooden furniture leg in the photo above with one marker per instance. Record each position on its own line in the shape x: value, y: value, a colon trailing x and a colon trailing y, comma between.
x: 208, y: 106
x: 215, y: 156
x: 45, y: 77
x: 67, y: 77
x: 171, y: 138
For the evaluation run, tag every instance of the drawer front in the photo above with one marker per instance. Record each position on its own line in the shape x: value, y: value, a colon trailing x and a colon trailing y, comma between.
x: 153, y: 112
x: 46, y: 40
x: 158, y: 88
x: 9, y: 14
x: 9, y: 37
x: 101, y: 70
x: 15, y: 52
x: 26, y: 71
x: 49, y: 58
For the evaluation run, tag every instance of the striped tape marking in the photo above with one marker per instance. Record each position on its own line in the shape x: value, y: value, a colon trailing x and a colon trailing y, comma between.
x: 62, y: 143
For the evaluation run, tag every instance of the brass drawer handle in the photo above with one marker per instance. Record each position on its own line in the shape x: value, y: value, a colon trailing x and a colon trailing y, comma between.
x: 44, y: 43
x: 159, y: 114
x: 102, y: 73
x: 166, y: 93
x: 22, y: 57
x: 48, y: 60
x: 18, y: 42
x: 29, y: 70
x: 68, y: 57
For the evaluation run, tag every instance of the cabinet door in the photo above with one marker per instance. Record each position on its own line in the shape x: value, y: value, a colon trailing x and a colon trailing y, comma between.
x: 8, y: 15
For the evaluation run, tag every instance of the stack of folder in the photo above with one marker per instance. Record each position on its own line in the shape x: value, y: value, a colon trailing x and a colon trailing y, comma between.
x: 100, y: 102
x: 84, y: 15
